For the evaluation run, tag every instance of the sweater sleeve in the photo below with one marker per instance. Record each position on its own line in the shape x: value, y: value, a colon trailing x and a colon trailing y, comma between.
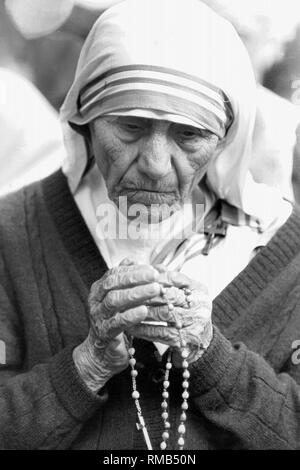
x: 240, y: 394
x: 45, y: 407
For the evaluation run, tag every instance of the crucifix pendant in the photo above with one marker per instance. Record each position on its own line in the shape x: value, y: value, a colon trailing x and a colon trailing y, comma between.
x: 142, y: 426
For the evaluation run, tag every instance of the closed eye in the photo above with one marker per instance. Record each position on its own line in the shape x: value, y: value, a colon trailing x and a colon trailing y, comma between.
x: 188, y: 131
x: 132, y: 125
x: 188, y: 134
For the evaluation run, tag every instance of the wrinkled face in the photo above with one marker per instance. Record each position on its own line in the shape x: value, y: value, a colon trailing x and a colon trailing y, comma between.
x: 152, y: 162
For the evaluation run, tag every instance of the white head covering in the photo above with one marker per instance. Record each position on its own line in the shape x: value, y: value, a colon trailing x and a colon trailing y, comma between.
x: 176, y: 59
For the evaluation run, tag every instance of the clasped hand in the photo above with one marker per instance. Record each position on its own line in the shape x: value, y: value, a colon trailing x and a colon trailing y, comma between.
x: 126, y: 297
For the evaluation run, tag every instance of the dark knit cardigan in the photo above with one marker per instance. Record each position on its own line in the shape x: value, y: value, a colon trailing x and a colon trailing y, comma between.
x: 245, y: 390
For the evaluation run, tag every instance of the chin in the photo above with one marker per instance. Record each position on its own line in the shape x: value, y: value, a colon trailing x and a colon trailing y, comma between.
x: 149, y: 216
x: 147, y: 211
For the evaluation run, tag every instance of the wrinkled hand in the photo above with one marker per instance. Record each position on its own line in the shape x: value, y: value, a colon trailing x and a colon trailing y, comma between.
x: 189, y: 321
x: 117, y: 303
x: 131, y: 294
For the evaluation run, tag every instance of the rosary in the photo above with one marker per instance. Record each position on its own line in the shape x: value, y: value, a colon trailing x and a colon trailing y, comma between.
x: 141, y: 425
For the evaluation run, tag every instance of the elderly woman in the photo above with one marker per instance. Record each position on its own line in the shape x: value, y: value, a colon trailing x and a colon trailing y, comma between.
x: 161, y: 113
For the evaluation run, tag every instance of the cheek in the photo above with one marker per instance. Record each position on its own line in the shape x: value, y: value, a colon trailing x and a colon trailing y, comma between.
x: 200, y: 159
x: 112, y: 157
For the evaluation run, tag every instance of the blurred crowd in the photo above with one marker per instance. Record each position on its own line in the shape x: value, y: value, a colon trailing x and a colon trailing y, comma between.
x: 40, y: 42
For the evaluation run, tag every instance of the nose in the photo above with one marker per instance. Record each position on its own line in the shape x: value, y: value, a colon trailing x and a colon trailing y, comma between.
x: 155, y: 156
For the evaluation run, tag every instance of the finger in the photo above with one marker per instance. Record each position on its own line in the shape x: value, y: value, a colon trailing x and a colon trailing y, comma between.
x: 199, y: 300
x: 166, y: 335
x: 135, y: 276
x: 201, y: 313
x: 170, y: 295
x: 160, y: 313
x: 174, y: 278
x: 180, y: 280
x: 106, y: 329
x: 125, y: 320
x: 110, y: 279
x: 121, y: 300
x: 177, y: 317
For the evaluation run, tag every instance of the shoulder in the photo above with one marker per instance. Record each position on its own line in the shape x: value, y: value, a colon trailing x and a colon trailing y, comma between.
x: 285, y: 244
x: 292, y: 224
x: 15, y: 208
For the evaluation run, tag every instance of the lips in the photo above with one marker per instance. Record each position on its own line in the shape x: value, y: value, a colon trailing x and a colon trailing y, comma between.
x: 149, y: 197
x: 146, y: 190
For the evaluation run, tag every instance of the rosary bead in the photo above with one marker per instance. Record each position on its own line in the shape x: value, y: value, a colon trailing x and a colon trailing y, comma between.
x: 163, y: 445
x: 165, y: 394
x: 179, y: 325
x: 184, y: 406
x: 134, y: 373
x: 171, y: 307
x: 181, y: 429
x: 132, y: 361
x: 184, y: 354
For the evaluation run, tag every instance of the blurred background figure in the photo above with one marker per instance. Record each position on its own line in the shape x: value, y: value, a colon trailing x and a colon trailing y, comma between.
x: 41, y: 40
x: 268, y: 28
x: 265, y: 26
x: 31, y: 144
x: 53, y: 33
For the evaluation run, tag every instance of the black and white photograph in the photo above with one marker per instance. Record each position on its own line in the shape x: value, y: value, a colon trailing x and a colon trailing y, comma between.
x: 149, y: 228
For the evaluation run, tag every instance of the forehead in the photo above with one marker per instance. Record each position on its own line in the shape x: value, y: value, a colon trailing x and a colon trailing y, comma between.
x: 143, y: 122
x: 153, y: 116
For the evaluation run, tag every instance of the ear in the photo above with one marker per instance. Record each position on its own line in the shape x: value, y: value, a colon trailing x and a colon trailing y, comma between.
x: 85, y: 132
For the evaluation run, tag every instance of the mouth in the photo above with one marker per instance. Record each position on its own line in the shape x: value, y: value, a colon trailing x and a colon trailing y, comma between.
x: 148, y: 197
x: 146, y: 190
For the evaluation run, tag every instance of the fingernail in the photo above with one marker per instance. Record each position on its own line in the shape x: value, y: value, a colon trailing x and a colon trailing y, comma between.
x: 144, y: 309
x: 163, y: 290
x: 156, y: 288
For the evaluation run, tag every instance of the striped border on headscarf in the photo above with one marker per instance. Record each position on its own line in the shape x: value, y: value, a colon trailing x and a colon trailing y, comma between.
x: 159, y: 89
